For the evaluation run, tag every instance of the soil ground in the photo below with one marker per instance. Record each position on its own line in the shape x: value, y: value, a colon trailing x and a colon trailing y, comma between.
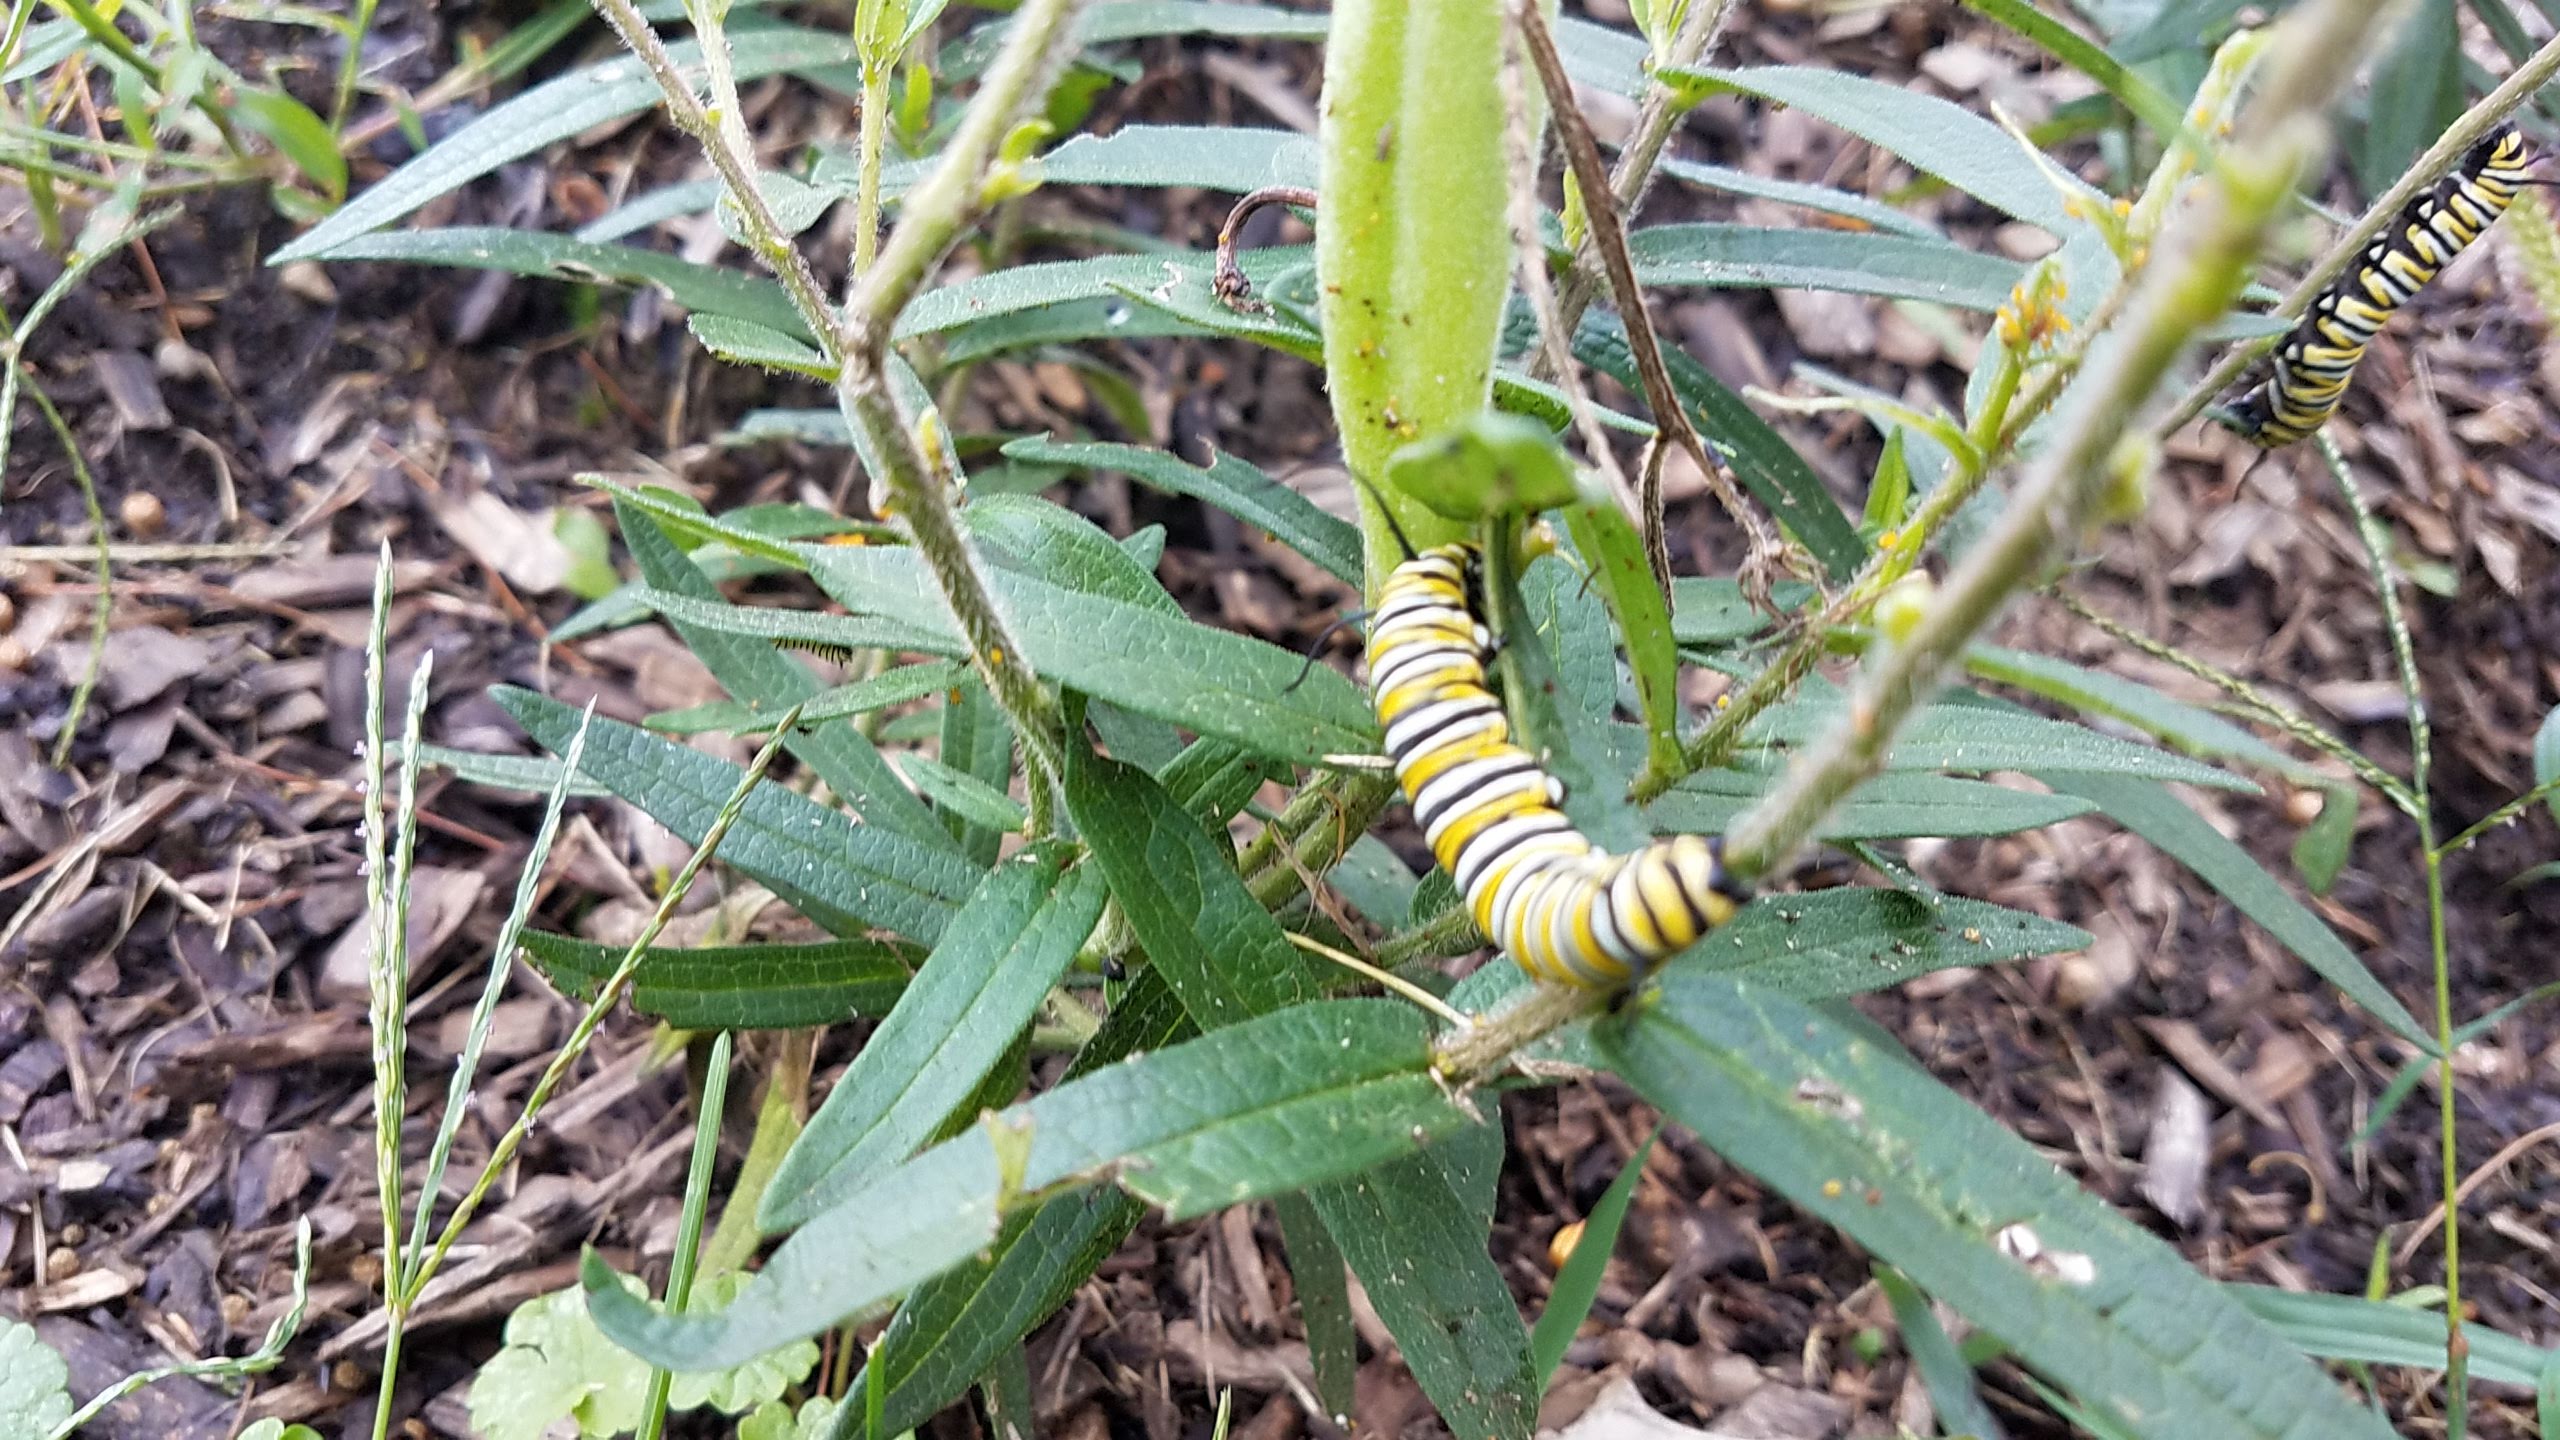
x: 183, y: 1056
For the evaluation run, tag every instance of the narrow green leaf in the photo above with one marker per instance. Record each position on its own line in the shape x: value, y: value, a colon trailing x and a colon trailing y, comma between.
x: 1578, y: 1283
x: 1936, y: 137
x: 740, y: 987
x: 849, y: 878
x: 1276, y: 1103
x: 1941, y: 1365
x: 1974, y: 1215
x: 1423, y: 1262
x: 2156, y: 815
x: 1212, y: 682
x: 963, y: 796
x: 1324, y: 1302
x: 546, y: 114
x: 1976, y: 739
x: 976, y: 992
x: 1052, y: 543
x: 2068, y: 46
x: 1229, y: 159
x: 750, y: 670
x: 1606, y: 538
x: 2190, y: 728
x: 1214, y: 944
x: 744, y: 342
x: 2382, y: 1332
x: 1020, y: 288
x: 1855, y: 940
x: 1859, y: 209
x: 1750, y: 257
x: 1897, y: 805
x: 1214, y: 780
x: 705, y: 289
x: 297, y: 134
x: 897, y: 685
x: 529, y: 774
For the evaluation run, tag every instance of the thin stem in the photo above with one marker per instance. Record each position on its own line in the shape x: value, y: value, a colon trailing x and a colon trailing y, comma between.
x: 2500, y: 816
x: 1609, y: 236
x: 359, y: 25
x: 1397, y: 983
x: 2439, y: 158
x: 697, y: 1200
x: 1634, y: 173
x: 608, y: 995
x: 735, y: 165
x: 873, y: 138
x: 2404, y: 650
x: 2066, y: 490
x: 103, y: 610
x: 2260, y: 705
x: 930, y: 222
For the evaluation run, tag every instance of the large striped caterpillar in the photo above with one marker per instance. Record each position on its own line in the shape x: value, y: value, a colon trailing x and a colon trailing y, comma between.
x: 2309, y: 373
x: 1563, y: 909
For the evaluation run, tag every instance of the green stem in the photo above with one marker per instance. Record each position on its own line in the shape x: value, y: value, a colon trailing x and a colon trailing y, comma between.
x: 2500, y: 816
x: 866, y: 197
x: 930, y: 221
x: 359, y: 25
x: 1317, y: 826
x: 697, y: 1200
x: 735, y: 164
x: 2404, y: 650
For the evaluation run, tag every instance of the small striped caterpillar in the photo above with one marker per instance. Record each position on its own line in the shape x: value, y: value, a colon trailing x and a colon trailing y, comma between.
x: 1564, y: 910
x: 2309, y: 373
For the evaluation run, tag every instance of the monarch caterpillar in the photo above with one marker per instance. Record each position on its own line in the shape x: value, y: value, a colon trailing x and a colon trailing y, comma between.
x: 2309, y: 372
x: 1562, y: 908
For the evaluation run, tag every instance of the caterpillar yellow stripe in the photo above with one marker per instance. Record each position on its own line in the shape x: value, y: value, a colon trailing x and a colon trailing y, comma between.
x: 2308, y: 374
x: 1563, y: 909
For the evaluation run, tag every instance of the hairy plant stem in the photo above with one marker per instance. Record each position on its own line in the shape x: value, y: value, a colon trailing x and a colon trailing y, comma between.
x: 2404, y: 651
x: 930, y: 222
x: 873, y: 132
x: 732, y: 160
x: 2066, y: 489
x: 2476, y: 122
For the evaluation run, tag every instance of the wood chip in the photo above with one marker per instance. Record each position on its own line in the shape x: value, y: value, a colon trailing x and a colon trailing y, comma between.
x: 2181, y: 1141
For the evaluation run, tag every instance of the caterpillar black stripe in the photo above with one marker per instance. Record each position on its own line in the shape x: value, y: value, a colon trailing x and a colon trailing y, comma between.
x: 1563, y: 909
x: 2309, y: 372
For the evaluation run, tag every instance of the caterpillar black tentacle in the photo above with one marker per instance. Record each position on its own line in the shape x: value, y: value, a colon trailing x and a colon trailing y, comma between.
x: 2308, y: 374
x: 1562, y: 908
